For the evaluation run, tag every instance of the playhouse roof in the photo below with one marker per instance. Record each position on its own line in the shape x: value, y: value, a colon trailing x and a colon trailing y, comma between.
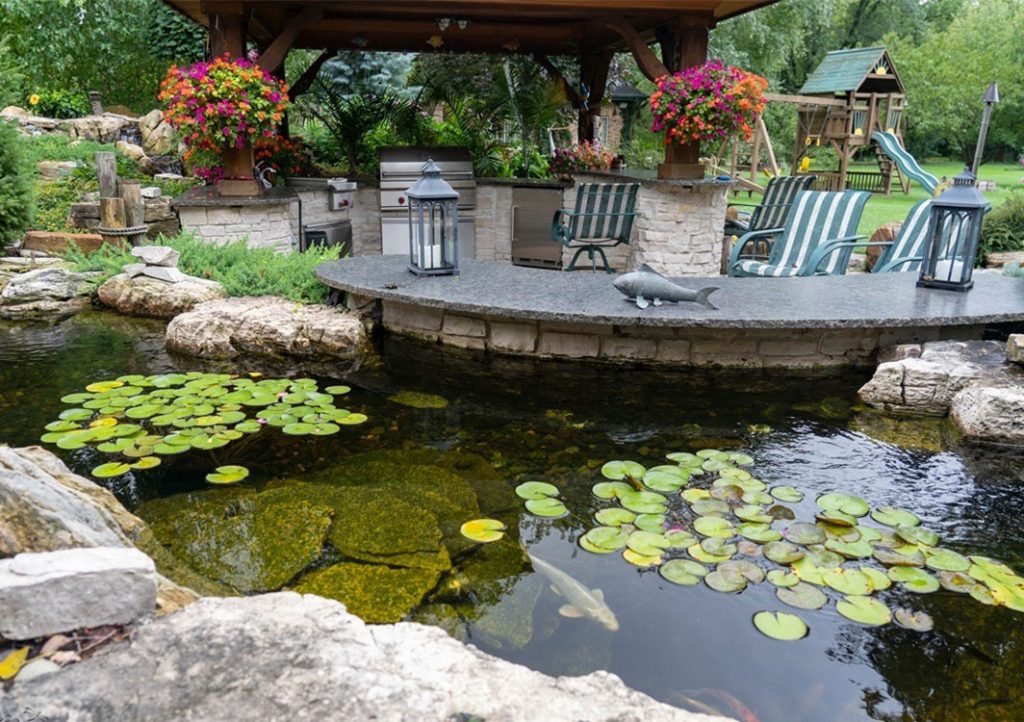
x: 844, y: 71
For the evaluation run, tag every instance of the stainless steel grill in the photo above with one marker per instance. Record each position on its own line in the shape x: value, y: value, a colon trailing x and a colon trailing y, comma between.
x: 400, y: 168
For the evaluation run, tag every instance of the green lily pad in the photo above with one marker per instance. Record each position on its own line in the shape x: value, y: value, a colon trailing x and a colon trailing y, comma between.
x: 823, y: 557
x: 683, y: 458
x: 715, y: 454
x: 229, y: 474
x: 914, y: 579
x: 606, y: 539
x: 864, y: 610
x: 808, y: 571
x: 352, y: 419
x: 76, y: 398
x: 647, y: 543
x: 748, y: 570
x: 338, y: 390
x: 108, y: 470
x: 727, y: 492
x: 850, y: 550
x: 894, y: 516
x: 665, y: 478
x: 682, y: 572
x: 614, y: 517
x: 610, y: 489
x: 618, y: 470
x: 783, y: 552
x: 847, y: 581
x: 946, y: 560
x: 787, y: 493
x: 325, y: 429
x: 251, y: 426
x: 740, y: 458
x: 694, y: 494
x: 680, y: 538
x: 206, y: 443
x: 781, y: 578
x: 756, y: 496
x: 546, y: 507
x: 750, y: 549
x: 917, y: 535
x: 164, y: 449
x: 802, y: 596
x: 780, y: 625
x: 879, y: 579
x: 483, y: 530
x: 956, y: 582
x: 146, y: 462
x: 63, y: 425
x: 640, y: 560
x: 761, y: 533
x: 836, y: 518
x: 710, y: 507
x: 75, y: 414
x: 915, y: 621
x: 727, y: 582
x: 650, y: 522
x: 536, y: 490
x: 713, y: 526
x: 698, y: 552
x: 892, y: 558
x: 804, y: 533
x: 753, y: 513
x: 643, y: 502
x: 844, y: 503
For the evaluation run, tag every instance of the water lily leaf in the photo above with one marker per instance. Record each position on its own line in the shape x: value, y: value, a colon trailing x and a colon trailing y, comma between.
x: 956, y: 582
x: 78, y: 398
x: 916, y: 621
x: 727, y: 492
x: 879, y: 579
x: 229, y: 474
x: 682, y: 458
x: 894, y: 516
x: 146, y: 462
x: 647, y: 543
x: 783, y: 552
x: 914, y: 579
x: 892, y: 558
x: 727, y: 582
x: 102, y: 386
x: 917, y: 535
x: 864, y: 610
x: 643, y: 502
x: 945, y: 560
x: 758, y: 532
x: 802, y: 596
x: 682, y: 572
x: 614, y: 517
x: 804, y: 533
x: 279, y: 418
x: 748, y: 570
x: 206, y: 443
x: 665, y: 478
x: 207, y: 421
x: 144, y: 411
x: 850, y: 550
x: 713, y: 465
x: 650, y: 522
x: 694, y: 494
x: 536, y: 490
x: 780, y: 625
x: 847, y: 581
x: 610, y: 489
x: 62, y: 425
x: 713, y: 526
x: 822, y: 557
x: 323, y: 429
x: 781, y: 578
x: 713, y: 454
x: 123, y: 430
x: 606, y: 539
x: 618, y: 470
x: 749, y: 548
x: 787, y: 493
x: 640, y: 560
x: 483, y: 530
x: 297, y: 429
x: 108, y: 470
x: 756, y: 496
x: 249, y: 427
x: 338, y: 390
x: 593, y: 548
x: 710, y: 507
x: 352, y: 419
x: 164, y: 449
x: 739, y: 476
x: 753, y: 513
x: 845, y: 503
x: 740, y: 458
x: 836, y: 518
x: 680, y: 538
x: 808, y: 571
x: 698, y: 552
x: 546, y: 507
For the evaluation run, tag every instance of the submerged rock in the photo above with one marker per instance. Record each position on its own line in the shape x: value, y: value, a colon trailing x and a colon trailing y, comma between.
x: 990, y: 414
x: 904, y: 431
x: 45, y: 293
x: 144, y: 296
x: 419, y: 400
x: 375, y: 593
x: 508, y: 625
x: 303, y: 658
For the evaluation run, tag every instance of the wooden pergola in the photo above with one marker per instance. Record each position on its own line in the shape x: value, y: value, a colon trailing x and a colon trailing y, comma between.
x: 590, y: 30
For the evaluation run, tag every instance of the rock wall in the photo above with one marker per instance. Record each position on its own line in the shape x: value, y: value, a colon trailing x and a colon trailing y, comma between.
x: 263, y: 226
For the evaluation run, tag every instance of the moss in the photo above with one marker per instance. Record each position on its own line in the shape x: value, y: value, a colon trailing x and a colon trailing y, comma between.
x: 419, y: 400
x: 907, y: 432
x: 508, y: 624
x: 247, y: 541
x: 377, y: 594
x: 442, y: 615
x: 486, y: 574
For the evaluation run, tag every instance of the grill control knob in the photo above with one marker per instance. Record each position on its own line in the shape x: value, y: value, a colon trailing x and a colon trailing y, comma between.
x: 401, y: 200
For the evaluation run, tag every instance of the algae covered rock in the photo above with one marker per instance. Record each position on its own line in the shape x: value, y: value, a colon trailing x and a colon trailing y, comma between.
x: 508, y: 624
x: 419, y: 400
x: 373, y: 592
x: 251, y: 542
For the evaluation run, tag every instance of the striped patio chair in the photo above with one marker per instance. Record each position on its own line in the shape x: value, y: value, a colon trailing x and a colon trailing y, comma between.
x: 603, y: 218
x: 816, y: 240
x: 774, y: 207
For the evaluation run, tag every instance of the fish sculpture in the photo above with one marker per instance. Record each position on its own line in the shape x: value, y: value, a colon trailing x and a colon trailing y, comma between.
x: 647, y: 286
x: 580, y: 602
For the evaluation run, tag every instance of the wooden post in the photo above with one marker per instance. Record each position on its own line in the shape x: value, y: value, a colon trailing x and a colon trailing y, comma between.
x: 134, y: 210
x: 106, y: 170
x: 755, y: 155
x: 594, y: 74
x: 112, y: 217
x: 227, y: 34
x: 686, y: 45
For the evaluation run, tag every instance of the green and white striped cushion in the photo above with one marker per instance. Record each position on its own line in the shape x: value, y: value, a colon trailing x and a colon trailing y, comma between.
x: 912, y: 238
x: 778, y: 201
x: 600, y: 212
x: 817, y: 216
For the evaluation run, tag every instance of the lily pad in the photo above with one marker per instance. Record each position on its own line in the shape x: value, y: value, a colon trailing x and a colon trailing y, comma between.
x: 804, y: 533
x: 614, y: 516
x: 536, y: 490
x: 780, y: 625
x: 683, y: 458
x: 864, y: 610
x: 694, y: 493
x: 847, y: 581
x: 844, y: 503
x: 338, y: 390
x: 229, y: 474
x: 802, y: 596
x: 643, y: 502
x: 647, y: 543
x: 640, y: 560
x: 698, y: 552
x: 650, y: 522
x: 894, y: 516
x: 917, y: 535
x: 483, y: 530
x: 787, y: 493
x: 606, y: 539
x: 879, y: 579
x: 914, y: 579
x: 618, y: 470
x: 850, y: 550
x: 714, y: 526
x: 761, y: 533
x: 946, y: 560
x: 665, y: 478
x: 546, y: 507
x: 783, y: 552
x: 351, y: 419
x: 710, y: 507
x: 299, y: 428
x: 753, y: 513
x: 748, y: 570
x: 146, y: 462
x: 956, y: 582
x: 418, y: 400
x: 808, y: 571
x: 892, y: 558
x: 682, y: 571
x: 610, y: 489
x: 781, y: 578
x: 727, y: 582
x: 916, y: 621
x: 108, y: 470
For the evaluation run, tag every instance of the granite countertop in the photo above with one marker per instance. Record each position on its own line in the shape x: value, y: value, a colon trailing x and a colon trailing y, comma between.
x: 855, y: 301
x: 650, y: 177
x: 209, y: 196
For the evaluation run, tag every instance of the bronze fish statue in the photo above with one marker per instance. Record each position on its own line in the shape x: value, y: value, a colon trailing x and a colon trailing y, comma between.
x: 647, y: 286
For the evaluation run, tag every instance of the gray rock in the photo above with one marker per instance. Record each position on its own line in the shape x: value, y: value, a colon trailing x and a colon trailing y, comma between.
x: 59, y: 591
x: 138, y: 295
x: 157, y: 255
x: 151, y: 192
x: 1015, y: 348
x: 55, y: 169
x: 166, y: 274
x: 37, y: 667
x: 45, y: 283
x: 990, y: 414
x: 305, y: 658
x: 927, y: 385
x: 168, y: 176
x: 900, y: 352
x: 268, y: 325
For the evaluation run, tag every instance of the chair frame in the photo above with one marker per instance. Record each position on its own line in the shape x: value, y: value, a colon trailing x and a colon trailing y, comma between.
x: 563, y: 221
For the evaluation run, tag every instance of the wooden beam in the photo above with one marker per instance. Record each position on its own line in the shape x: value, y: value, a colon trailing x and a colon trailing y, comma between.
x: 304, y: 81
x: 594, y: 69
x: 650, y: 66
x: 274, y: 55
x: 571, y: 94
x: 227, y: 36
x: 803, y: 99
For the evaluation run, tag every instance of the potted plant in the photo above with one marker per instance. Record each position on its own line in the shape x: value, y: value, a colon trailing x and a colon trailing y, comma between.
x: 224, y: 107
x: 582, y: 157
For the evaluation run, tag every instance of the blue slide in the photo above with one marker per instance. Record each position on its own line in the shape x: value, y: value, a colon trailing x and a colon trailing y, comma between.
x: 907, y: 164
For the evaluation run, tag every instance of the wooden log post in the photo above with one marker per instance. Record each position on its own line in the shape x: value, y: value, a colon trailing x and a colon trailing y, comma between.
x: 134, y: 211
x: 684, y: 44
x: 106, y: 171
x: 112, y: 218
x: 594, y: 69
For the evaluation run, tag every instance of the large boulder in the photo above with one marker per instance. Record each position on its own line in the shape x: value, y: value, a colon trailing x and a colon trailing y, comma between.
x: 47, y: 593
x: 927, y: 384
x: 990, y: 414
x: 268, y: 325
x: 1015, y: 348
x: 58, y: 243
x: 158, y: 136
x: 145, y: 296
x: 289, y: 656
x: 55, y: 169
x: 105, y: 128
x: 45, y: 293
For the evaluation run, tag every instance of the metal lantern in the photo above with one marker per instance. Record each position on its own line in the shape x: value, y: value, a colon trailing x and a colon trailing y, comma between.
x: 954, y: 232
x: 433, y: 225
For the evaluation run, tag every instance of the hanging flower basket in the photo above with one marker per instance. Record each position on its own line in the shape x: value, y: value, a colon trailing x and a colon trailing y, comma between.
x: 707, y: 102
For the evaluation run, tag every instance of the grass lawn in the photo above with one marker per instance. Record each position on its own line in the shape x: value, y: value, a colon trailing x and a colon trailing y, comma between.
x: 882, y: 209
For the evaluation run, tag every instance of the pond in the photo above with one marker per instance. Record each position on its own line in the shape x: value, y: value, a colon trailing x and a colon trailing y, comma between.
x: 455, y: 436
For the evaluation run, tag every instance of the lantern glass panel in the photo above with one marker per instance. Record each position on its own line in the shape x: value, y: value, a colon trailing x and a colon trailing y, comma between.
x: 433, y: 225
x: 953, y: 236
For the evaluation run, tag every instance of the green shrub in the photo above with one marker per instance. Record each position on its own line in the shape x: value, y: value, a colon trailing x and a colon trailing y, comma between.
x: 59, y: 103
x: 240, y: 270
x: 16, y: 201
x: 12, y: 75
x: 1003, y: 229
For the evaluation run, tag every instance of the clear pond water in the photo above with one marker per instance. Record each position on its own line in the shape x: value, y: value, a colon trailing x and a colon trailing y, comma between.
x: 506, y: 422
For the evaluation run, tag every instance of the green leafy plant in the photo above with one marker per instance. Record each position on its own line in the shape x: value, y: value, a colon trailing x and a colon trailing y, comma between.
x: 16, y: 198
x: 13, y: 74
x: 1003, y: 229
x: 58, y: 103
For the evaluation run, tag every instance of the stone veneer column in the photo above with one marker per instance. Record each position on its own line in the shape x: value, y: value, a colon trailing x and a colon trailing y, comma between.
x: 262, y: 226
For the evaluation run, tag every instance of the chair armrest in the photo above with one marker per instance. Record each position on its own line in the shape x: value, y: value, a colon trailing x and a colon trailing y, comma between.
x: 559, y: 231
x: 896, y: 263
x: 736, y: 254
x: 827, y: 248
x: 737, y: 203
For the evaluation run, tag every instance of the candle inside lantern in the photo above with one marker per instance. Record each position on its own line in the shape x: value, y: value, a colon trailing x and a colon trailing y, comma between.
x: 431, y: 256
x: 949, y: 270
